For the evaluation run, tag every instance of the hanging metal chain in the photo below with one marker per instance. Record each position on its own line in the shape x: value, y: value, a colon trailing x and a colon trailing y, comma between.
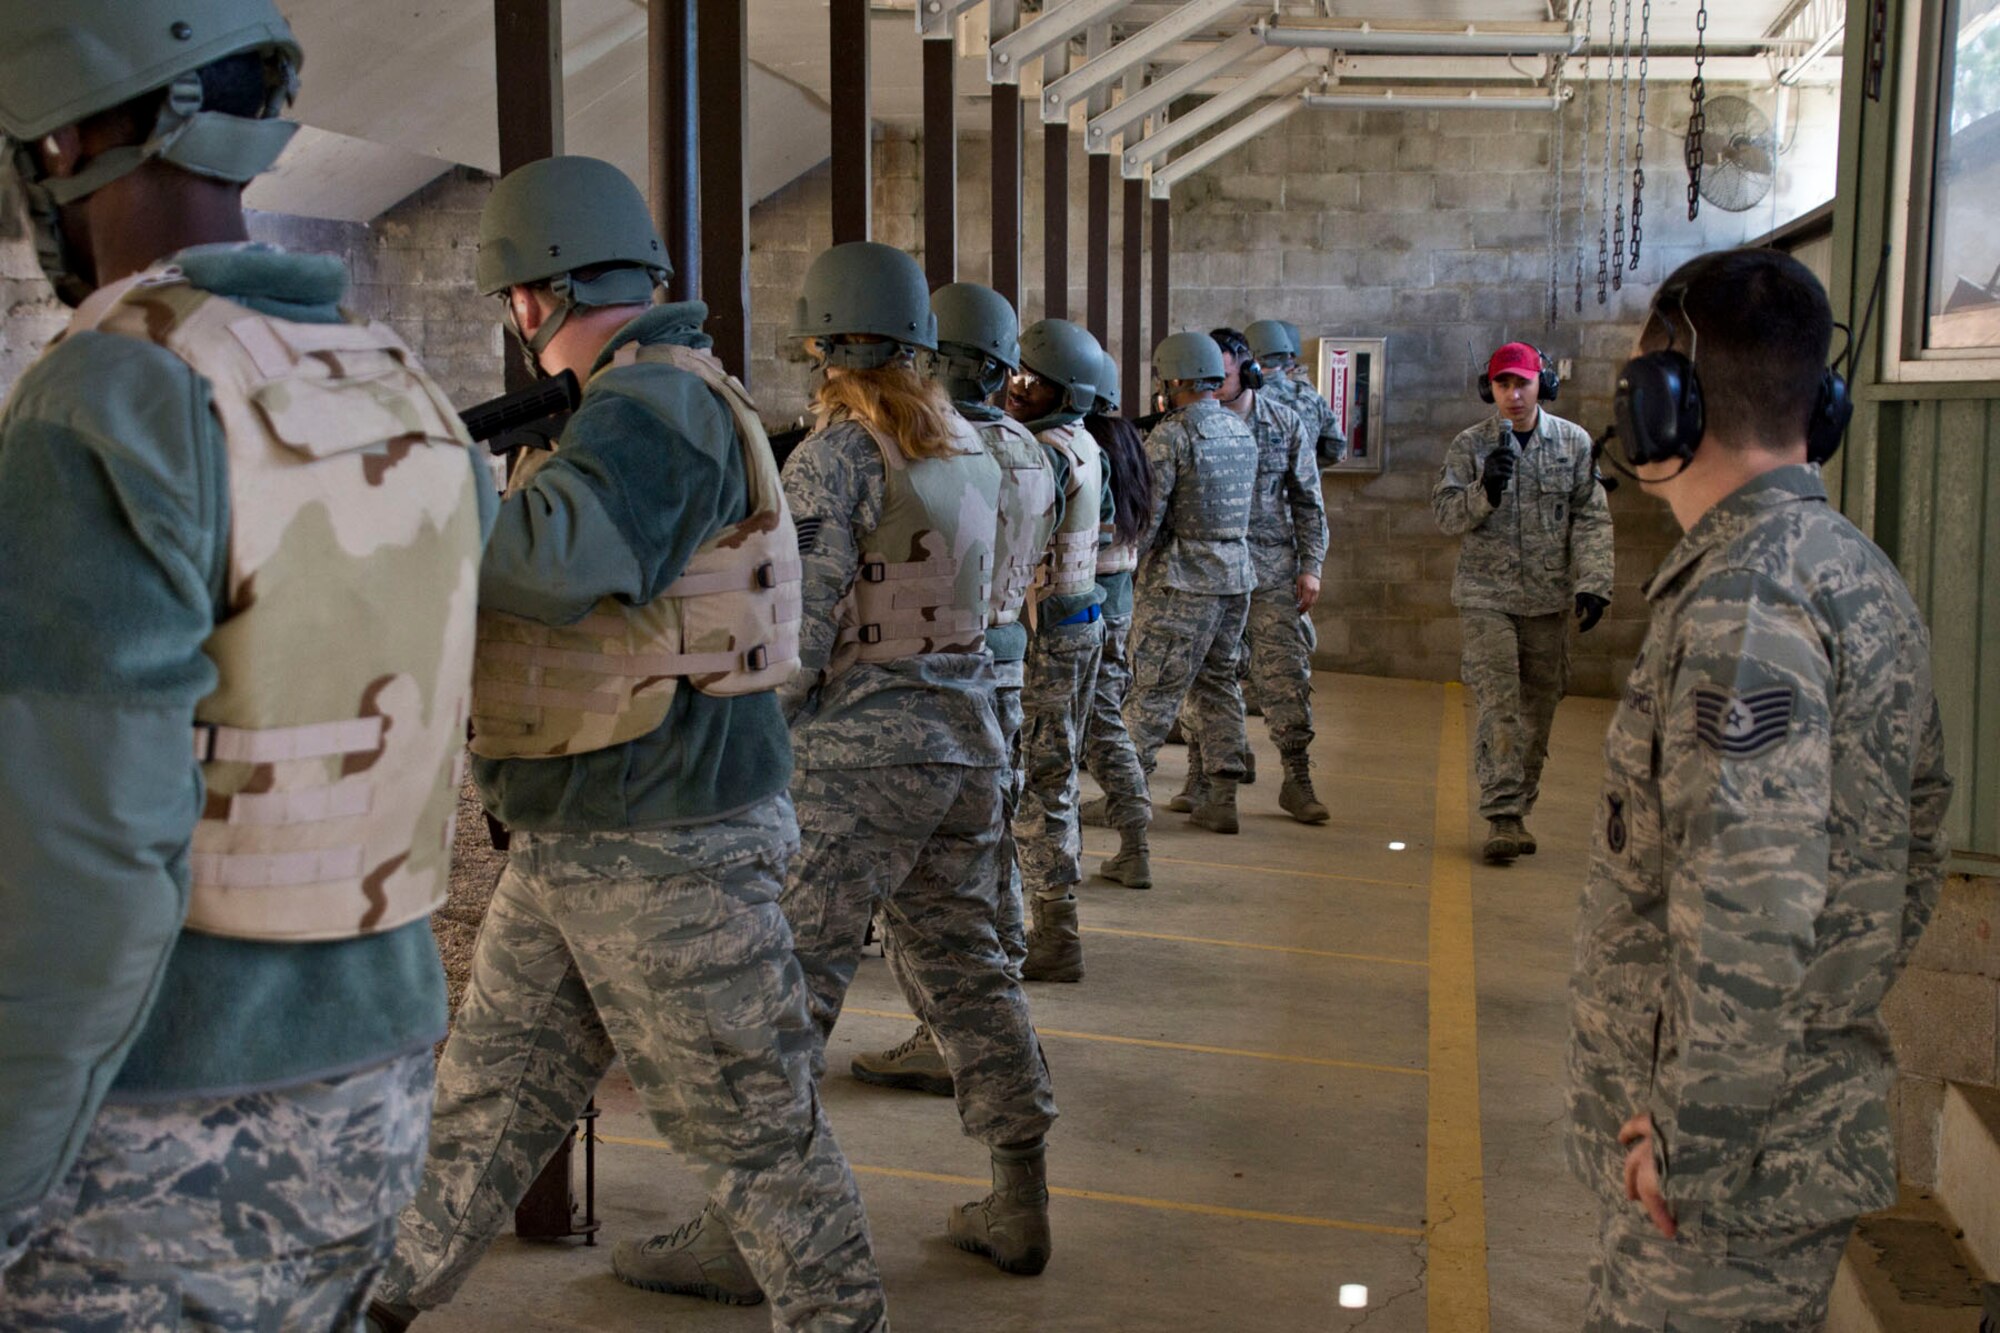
x: 1698, y: 113
x: 1604, y: 196
x: 1639, y: 133
x: 1555, y: 214
x: 1624, y: 107
x: 1583, y: 158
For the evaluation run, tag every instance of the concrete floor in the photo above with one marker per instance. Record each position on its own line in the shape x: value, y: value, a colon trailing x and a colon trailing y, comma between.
x: 1242, y: 1076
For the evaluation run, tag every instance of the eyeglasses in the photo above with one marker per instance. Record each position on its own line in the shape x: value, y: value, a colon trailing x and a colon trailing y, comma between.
x: 1027, y: 379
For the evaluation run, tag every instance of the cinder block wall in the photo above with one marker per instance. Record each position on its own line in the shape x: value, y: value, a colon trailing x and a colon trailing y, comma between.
x: 1944, y: 1017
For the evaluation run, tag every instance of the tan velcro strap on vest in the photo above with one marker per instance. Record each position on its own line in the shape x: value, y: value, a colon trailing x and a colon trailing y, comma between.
x: 275, y: 870
x: 277, y: 745
x: 767, y: 575
x: 302, y: 805
x: 605, y: 703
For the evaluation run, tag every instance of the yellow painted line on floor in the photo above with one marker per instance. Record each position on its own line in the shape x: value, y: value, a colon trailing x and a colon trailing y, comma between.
x: 1274, y: 870
x: 1192, y: 1048
x: 1094, y: 1196
x: 1454, y: 1188
x: 1251, y: 944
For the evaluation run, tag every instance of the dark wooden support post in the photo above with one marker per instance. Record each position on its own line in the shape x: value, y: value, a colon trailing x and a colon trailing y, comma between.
x: 1055, y: 199
x: 527, y: 69
x: 1134, y: 253
x: 675, y: 125
x: 1003, y: 16
x: 1162, y: 250
x: 723, y: 69
x: 1097, y: 252
x: 940, y: 162
x: 853, y: 131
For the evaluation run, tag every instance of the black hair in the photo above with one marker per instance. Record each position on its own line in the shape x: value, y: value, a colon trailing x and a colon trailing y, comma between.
x: 1232, y: 342
x: 1757, y: 324
x: 1131, y: 475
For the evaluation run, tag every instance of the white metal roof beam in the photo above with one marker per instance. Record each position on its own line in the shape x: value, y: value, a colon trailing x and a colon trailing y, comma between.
x: 1291, y: 65
x: 1432, y: 99
x: 1155, y: 96
x: 1545, y: 39
x: 1053, y: 26
x: 1059, y: 96
x: 934, y: 17
x: 1271, y: 113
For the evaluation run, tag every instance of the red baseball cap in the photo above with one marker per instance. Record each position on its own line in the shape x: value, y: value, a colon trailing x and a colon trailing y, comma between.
x: 1515, y: 359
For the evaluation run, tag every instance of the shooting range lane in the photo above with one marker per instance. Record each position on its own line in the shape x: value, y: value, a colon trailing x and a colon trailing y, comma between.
x: 1264, y: 1078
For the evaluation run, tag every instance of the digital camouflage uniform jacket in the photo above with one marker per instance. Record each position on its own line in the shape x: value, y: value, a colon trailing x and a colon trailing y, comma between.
x: 1768, y: 848
x: 1323, y: 433
x: 1550, y: 537
x: 1204, y: 464
x: 1287, y: 512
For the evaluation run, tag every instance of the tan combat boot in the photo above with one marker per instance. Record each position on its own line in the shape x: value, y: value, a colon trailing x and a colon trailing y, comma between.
x: 1095, y: 812
x: 697, y: 1258
x: 1055, y: 948
x: 1010, y: 1226
x: 1193, y: 791
x: 1131, y: 867
x: 1505, y: 839
x: 1217, y: 812
x: 916, y: 1066
x: 1297, y: 796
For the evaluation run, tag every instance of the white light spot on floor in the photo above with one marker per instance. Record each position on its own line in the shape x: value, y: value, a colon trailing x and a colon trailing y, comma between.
x: 1397, y: 846
x: 1353, y: 1296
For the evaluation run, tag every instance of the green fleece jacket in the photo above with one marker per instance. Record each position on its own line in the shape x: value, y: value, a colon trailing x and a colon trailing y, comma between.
x: 647, y: 470
x: 114, y: 527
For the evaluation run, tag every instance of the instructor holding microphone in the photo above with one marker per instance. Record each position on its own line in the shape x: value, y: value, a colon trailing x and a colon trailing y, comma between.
x: 1519, y: 491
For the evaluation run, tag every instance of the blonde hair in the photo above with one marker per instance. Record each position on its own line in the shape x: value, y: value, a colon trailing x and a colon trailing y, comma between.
x: 896, y: 403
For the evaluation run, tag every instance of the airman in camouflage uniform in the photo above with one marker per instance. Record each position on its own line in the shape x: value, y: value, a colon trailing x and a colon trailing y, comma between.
x: 1289, y: 381
x: 1520, y: 490
x: 1287, y: 550
x: 900, y: 765
x: 1196, y: 576
x: 1768, y: 849
x: 225, y: 814
x: 639, y: 915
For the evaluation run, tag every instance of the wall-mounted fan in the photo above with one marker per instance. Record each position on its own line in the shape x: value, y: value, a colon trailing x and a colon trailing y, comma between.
x: 1739, y: 154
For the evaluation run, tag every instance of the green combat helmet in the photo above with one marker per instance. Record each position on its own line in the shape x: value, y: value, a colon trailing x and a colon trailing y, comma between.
x: 978, y: 338
x: 867, y: 288
x: 66, y: 62
x: 1108, y: 404
x: 550, y: 220
x: 1271, y: 337
x: 1065, y: 354
x: 1189, y: 357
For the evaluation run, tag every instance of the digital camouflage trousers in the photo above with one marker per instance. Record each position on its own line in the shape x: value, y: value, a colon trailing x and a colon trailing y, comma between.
x: 260, y: 1212
x: 1517, y: 668
x: 667, y: 948
x: 1107, y: 747
x: 919, y: 845
x: 1056, y: 691
x: 1705, y: 1281
x: 1184, y: 646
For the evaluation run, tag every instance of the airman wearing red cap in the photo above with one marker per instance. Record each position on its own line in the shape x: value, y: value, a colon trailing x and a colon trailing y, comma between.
x: 1520, y: 491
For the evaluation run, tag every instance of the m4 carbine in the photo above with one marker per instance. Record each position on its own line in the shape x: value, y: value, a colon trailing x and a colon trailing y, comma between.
x: 502, y: 424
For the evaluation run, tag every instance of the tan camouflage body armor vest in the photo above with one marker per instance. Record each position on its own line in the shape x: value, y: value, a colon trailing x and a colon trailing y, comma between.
x: 330, y: 747
x: 1027, y: 513
x: 925, y: 584
x: 1069, y: 562
x: 728, y: 626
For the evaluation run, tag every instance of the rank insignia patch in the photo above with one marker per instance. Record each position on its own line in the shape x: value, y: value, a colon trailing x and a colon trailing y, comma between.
x: 1740, y: 726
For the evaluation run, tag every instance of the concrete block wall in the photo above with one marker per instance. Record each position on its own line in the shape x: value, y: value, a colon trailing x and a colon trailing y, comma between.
x: 1944, y: 1017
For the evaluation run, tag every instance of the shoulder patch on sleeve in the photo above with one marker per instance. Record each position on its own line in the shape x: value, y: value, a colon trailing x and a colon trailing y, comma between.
x: 1740, y: 726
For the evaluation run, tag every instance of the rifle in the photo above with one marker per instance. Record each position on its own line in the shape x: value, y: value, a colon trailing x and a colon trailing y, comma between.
x: 503, y: 424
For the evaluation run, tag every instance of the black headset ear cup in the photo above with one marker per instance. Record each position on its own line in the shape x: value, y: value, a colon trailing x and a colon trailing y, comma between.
x: 1551, y: 382
x: 1658, y: 408
x: 1485, y: 387
x: 1250, y: 374
x: 1832, y: 410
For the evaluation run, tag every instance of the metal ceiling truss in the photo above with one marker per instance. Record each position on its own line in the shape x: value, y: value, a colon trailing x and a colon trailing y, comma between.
x: 934, y: 17
x: 1144, y: 45
x: 1054, y: 26
x: 1293, y: 64
x: 1260, y: 121
x: 1156, y: 95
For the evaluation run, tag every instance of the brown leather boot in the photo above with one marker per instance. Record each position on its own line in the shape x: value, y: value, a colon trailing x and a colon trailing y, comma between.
x: 1055, y: 948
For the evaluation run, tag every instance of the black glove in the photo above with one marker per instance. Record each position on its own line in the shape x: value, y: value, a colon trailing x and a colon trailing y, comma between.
x: 1589, y: 610
x: 1499, y: 471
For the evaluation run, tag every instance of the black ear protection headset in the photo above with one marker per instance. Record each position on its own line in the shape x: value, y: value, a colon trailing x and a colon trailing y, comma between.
x: 1548, y: 382
x: 1249, y: 371
x: 1658, y: 405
